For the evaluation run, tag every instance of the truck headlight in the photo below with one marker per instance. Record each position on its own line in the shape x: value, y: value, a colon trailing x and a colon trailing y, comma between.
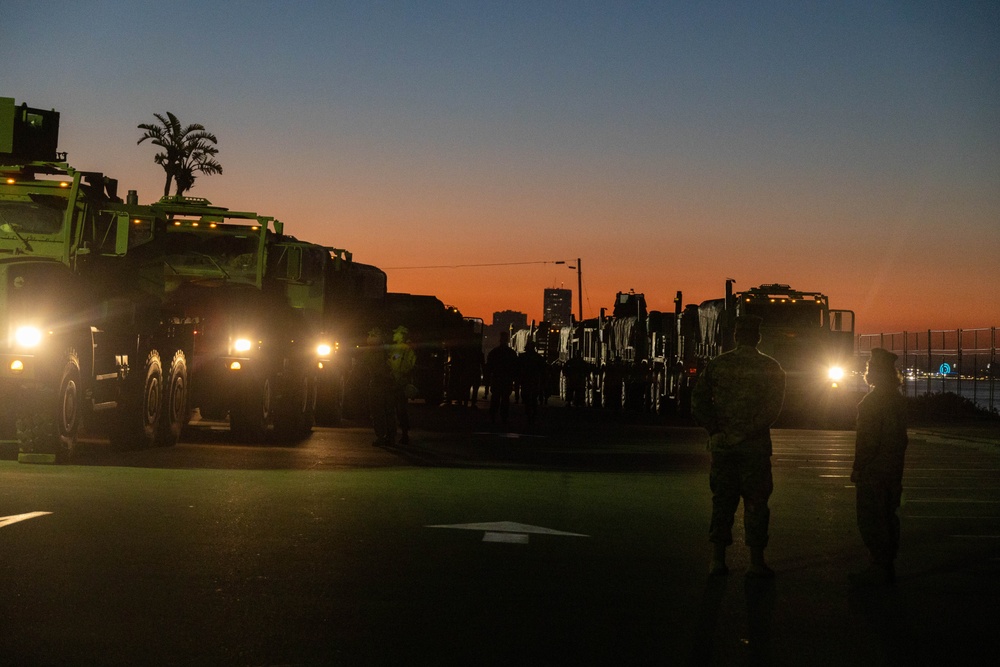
x: 835, y: 373
x: 242, y: 345
x: 28, y: 336
x: 324, y: 349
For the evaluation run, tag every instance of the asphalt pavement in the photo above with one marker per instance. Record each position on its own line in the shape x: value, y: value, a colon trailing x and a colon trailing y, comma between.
x: 579, y: 538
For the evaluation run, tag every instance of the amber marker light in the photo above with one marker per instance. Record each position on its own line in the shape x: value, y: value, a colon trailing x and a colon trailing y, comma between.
x: 235, y: 366
x: 17, y: 366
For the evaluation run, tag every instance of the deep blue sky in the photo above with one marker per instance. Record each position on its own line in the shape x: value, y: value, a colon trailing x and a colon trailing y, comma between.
x: 851, y: 148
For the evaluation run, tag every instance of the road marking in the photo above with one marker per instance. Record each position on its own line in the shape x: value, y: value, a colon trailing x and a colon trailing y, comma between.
x: 953, y: 500
x: 507, y: 531
x: 951, y: 518
x: 7, y: 520
x: 509, y: 436
x: 509, y: 538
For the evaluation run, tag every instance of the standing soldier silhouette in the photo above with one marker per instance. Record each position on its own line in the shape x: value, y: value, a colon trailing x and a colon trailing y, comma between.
x: 501, y: 372
x: 879, y: 448
x: 736, y: 399
x: 532, y: 369
x: 402, y: 361
x: 375, y: 364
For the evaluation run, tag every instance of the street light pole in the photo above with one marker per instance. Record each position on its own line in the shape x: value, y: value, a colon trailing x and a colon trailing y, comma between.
x: 579, y: 283
x: 579, y: 287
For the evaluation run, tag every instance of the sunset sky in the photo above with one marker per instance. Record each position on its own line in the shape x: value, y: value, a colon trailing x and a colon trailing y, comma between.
x: 851, y: 148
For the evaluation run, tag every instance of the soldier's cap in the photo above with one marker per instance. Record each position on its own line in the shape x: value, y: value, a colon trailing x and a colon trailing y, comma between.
x: 748, y: 324
x: 882, y: 357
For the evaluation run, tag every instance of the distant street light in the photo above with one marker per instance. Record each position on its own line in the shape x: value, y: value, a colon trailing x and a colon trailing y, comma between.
x: 579, y: 283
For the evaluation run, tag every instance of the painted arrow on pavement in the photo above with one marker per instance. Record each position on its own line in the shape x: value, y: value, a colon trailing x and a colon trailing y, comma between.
x: 508, y: 531
x: 7, y: 520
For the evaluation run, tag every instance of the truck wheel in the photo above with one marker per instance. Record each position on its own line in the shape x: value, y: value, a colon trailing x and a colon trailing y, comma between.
x: 295, y: 411
x: 175, y: 402
x: 657, y: 396
x: 330, y: 401
x: 47, y: 423
x: 252, y: 415
x: 140, y: 408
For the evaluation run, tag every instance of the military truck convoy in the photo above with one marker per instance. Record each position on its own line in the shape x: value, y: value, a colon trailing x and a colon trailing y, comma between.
x: 121, y: 319
x: 649, y: 360
x: 86, y: 340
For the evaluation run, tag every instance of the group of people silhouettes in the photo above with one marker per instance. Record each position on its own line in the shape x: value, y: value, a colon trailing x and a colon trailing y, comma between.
x: 737, y: 399
x: 507, y: 372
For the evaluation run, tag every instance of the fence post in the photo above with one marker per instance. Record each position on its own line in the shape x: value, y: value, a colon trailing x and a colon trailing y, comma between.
x: 906, y: 339
x: 958, y: 357
x: 930, y: 362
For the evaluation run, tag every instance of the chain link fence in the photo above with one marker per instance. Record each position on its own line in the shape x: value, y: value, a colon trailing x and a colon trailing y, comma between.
x: 959, y: 361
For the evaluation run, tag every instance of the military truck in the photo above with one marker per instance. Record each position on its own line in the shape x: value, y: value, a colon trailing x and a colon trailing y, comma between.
x: 84, y: 346
x: 354, y: 300
x: 249, y: 291
x: 813, y: 343
x: 629, y: 355
x: 443, y: 340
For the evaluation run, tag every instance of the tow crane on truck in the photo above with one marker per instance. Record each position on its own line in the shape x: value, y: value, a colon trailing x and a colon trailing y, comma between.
x: 83, y: 345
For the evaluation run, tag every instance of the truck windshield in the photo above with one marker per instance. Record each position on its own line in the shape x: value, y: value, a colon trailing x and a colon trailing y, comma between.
x: 788, y: 315
x: 38, y: 215
x: 230, y: 257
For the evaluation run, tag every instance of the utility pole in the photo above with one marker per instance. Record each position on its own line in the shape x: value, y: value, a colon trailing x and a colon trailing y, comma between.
x: 579, y: 287
x: 579, y: 284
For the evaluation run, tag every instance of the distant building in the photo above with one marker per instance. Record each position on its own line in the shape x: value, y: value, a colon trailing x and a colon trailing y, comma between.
x: 558, y: 306
x: 507, y: 320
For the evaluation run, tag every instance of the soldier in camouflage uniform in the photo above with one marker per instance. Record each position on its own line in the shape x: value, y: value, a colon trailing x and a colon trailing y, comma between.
x: 736, y: 399
x: 880, y: 446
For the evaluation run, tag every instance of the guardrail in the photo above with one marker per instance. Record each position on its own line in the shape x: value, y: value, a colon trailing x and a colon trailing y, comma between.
x: 961, y: 361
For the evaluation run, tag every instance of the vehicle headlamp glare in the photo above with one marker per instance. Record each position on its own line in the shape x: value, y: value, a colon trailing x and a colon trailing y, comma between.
x: 28, y: 336
x: 835, y: 373
x: 242, y: 345
x: 324, y: 349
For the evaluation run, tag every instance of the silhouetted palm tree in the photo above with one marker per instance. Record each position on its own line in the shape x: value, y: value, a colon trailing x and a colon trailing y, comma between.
x: 186, y: 150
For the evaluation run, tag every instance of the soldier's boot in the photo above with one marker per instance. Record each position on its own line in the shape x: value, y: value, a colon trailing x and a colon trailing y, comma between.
x: 758, y: 568
x: 718, y: 566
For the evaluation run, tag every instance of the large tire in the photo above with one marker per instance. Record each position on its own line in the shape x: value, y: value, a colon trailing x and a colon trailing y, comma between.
x: 656, y: 397
x: 48, y: 423
x: 140, y: 408
x: 252, y: 416
x: 175, y: 402
x: 330, y: 401
x: 295, y: 410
